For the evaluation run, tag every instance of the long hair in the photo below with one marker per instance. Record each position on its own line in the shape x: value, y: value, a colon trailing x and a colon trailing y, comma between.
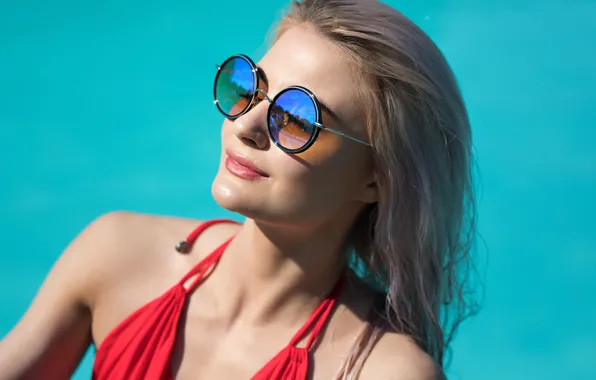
x: 416, y: 241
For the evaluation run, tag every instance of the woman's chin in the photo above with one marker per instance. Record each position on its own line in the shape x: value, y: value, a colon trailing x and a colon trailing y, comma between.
x: 243, y: 202
x: 234, y: 198
x: 255, y: 202
x: 224, y: 195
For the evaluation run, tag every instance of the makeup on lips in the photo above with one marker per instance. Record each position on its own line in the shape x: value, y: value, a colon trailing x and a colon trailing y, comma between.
x: 243, y: 167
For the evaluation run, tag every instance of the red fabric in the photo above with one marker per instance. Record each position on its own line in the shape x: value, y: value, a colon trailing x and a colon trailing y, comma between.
x: 140, y: 347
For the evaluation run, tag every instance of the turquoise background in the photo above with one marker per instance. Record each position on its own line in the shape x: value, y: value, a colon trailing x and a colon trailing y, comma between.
x: 108, y: 105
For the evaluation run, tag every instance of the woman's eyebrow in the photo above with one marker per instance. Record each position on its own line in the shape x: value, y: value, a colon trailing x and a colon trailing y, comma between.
x: 328, y: 111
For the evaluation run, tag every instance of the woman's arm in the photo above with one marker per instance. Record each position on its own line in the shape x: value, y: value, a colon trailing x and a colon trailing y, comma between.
x: 53, y: 335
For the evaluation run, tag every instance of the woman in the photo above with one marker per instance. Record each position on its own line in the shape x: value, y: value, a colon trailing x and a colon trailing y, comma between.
x: 348, y: 150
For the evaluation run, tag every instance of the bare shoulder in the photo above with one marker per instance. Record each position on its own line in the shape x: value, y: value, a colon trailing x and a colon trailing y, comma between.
x: 54, y: 333
x: 99, y: 272
x: 115, y: 242
x: 120, y: 244
x: 398, y: 357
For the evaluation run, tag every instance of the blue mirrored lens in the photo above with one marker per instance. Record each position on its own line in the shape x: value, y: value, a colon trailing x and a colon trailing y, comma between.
x: 234, y: 86
x: 292, y: 118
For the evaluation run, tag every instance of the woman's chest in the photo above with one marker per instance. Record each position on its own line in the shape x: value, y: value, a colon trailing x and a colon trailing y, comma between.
x: 202, y: 345
x: 207, y: 350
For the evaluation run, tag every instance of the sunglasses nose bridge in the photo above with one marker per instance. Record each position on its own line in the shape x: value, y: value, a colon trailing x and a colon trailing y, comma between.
x: 264, y: 94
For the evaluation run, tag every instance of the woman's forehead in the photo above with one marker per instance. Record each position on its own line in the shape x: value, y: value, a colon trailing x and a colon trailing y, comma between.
x: 302, y: 57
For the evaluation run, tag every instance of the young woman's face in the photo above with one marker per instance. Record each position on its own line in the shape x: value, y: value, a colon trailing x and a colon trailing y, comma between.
x: 334, y: 177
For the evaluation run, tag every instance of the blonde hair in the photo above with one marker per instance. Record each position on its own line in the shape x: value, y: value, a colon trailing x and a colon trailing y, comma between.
x: 417, y: 239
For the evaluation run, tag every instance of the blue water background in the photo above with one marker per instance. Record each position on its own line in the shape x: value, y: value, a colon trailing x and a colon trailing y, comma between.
x: 108, y: 105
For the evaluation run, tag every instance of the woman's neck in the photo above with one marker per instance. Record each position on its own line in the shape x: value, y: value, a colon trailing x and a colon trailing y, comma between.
x: 272, y: 272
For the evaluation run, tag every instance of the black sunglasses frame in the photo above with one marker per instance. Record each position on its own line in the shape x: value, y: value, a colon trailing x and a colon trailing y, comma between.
x: 254, y: 70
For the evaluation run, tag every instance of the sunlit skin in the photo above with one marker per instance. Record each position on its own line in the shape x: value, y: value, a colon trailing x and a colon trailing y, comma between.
x: 290, y: 252
x: 286, y: 256
x: 333, y: 179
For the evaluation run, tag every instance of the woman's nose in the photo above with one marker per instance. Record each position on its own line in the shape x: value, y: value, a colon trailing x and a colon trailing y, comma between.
x: 251, y: 128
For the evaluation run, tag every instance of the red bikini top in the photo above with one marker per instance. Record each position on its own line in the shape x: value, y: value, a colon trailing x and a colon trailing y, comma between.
x: 140, y: 347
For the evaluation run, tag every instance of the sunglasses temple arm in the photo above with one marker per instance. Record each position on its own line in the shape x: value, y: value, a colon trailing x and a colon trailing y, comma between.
x: 341, y: 134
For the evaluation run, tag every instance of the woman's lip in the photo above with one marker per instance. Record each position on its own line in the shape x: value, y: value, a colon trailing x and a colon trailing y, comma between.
x: 243, y: 166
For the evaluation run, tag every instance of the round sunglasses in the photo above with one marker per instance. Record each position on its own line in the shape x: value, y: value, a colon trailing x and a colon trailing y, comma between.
x: 293, y: 116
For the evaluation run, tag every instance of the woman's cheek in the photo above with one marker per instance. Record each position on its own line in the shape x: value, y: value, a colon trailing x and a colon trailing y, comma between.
x: 326, y: 145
